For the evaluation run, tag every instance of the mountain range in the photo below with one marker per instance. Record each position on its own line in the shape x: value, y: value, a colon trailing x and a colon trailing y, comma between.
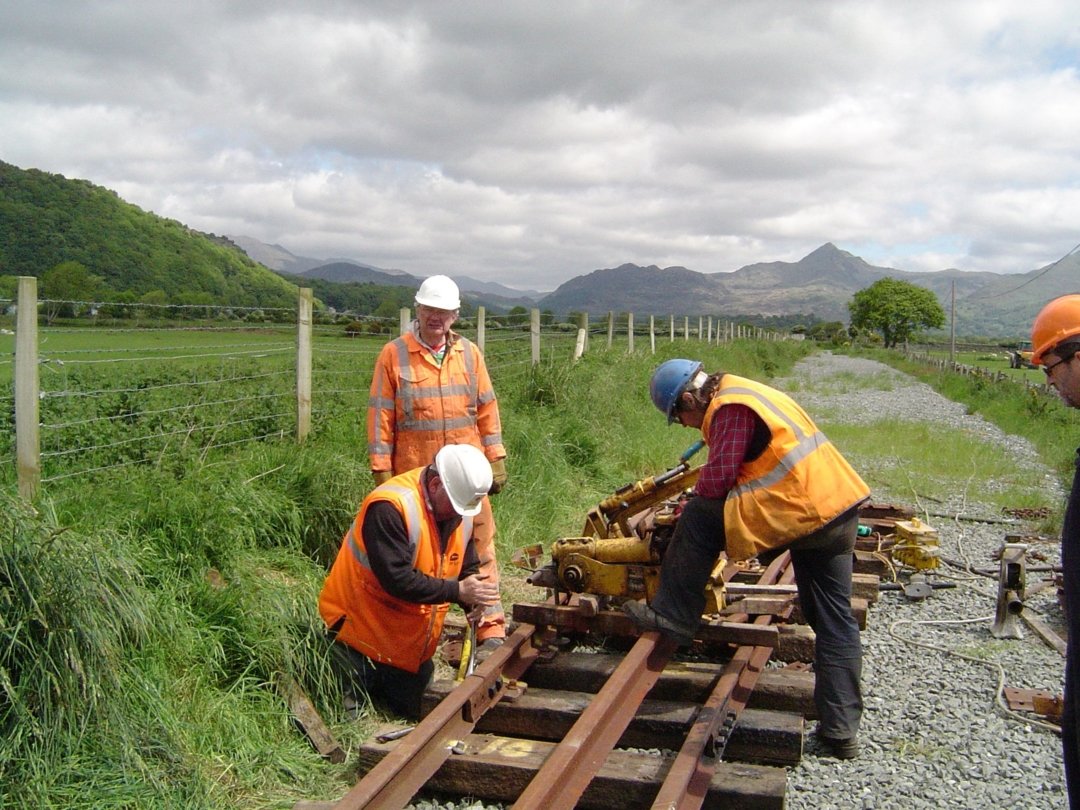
x: 817, y: 287
x: 340, y: 271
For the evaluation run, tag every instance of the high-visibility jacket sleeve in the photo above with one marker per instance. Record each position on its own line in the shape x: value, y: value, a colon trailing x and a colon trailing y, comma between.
x: 381, y: 413
x: 488, y: 421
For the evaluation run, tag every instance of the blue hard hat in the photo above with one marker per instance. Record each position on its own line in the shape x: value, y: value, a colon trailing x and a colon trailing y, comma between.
x: 669, y: 381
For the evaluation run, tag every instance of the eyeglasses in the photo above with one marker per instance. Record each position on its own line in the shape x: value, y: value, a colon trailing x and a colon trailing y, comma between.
x: 1048, y: 369
x: 433, y: 312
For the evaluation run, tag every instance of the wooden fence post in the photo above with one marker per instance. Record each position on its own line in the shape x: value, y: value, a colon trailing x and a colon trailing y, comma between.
x: 579, y: 344
x: 584, y: 327
x: 652, y: 334
x: 481, y: 328
x: 404, y: 319
x: 671, y: 319
x: 630, y: 332
x: 303, y: 363
x: 610, y: 327
x: 686, y: 327
x: 699, y: 326
x: 710, y: 329
x: 534, y: 330
x: 27, y: 436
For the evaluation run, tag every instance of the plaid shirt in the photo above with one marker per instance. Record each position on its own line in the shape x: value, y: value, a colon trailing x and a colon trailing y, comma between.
x: 730, y: 434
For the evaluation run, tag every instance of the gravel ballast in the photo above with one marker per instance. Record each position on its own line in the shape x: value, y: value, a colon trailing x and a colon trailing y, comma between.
x: 934, y: 734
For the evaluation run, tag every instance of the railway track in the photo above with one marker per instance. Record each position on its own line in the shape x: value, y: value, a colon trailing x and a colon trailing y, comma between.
x: 537, y: 727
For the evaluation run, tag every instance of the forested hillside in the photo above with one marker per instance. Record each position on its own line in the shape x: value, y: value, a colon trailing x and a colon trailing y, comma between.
x: 357, y: 297
x: 128, y: 254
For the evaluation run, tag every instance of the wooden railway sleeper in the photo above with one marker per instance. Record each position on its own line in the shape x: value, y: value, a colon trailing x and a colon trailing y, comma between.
x: 571, y: 766
x: 575, y: 761
x: 397, y: 777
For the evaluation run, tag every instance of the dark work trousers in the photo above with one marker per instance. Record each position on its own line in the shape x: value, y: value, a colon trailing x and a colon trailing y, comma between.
x: 395, y: 689
x: 823, y: 564
x: 1070, y: 563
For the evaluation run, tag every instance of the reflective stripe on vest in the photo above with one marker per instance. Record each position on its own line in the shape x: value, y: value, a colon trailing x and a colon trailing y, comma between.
x: 413, y: 517
x: 795, y: 486
x: 416, y: 407
x: 807, y: 444
x: 409, y: 393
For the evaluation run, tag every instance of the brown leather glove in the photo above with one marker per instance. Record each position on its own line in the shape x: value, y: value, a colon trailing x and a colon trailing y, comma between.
x: 381, y: 476
x: 498, y: 476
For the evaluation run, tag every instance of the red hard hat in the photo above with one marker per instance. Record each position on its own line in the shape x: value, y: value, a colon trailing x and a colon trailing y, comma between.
x: 1058, y: 320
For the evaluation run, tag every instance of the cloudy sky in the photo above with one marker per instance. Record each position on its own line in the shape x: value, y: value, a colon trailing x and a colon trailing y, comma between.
x: 530, y: 142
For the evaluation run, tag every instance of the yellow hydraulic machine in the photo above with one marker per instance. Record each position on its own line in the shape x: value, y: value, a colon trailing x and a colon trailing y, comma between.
x: 619, y: 552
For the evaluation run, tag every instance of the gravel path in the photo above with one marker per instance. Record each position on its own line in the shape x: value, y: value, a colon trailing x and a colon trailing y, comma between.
x: 933, y: 735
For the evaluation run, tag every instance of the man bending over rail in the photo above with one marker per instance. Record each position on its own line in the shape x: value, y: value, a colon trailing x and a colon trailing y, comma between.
x: 772, y: 481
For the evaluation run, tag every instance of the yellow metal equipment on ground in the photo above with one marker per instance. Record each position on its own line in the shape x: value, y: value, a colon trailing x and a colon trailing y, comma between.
x: 623, y: 542
x: 916, y: 545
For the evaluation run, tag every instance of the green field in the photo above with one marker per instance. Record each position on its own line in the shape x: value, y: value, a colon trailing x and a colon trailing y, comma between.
x: 121, y: 397
x: 991, y: 360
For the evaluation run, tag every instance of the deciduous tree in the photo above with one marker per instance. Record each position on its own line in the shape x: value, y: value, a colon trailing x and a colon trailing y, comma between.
x: 69, y: 288
x: 897, y: 309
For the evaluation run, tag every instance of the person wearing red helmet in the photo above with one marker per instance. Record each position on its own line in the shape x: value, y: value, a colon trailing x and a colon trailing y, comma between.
x: 772, y: 481
x: 1055, y: 337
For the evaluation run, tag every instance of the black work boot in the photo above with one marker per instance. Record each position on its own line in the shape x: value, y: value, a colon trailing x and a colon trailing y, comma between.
x: 839, y: 749
x: 645, y: 618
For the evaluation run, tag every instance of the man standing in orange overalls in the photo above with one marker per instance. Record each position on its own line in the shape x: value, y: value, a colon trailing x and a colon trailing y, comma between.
x: 431, y: 388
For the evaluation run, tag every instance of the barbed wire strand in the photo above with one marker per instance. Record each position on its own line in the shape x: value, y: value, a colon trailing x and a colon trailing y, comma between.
x: 141, y: 305
x: 131, y: 462
x: 160, y: 411
x: 163, y: 434
x: 252, y: 353
x: 149, y: 330
x: 147, y: 349
x: 187, y: 384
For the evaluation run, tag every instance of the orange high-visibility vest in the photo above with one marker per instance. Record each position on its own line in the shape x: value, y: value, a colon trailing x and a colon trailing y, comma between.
x: 417, y: 407
x: 382, y: 627
x: 797, y: 485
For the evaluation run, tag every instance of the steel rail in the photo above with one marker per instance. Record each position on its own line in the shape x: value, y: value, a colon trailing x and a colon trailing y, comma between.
x: 571, y: 766
x: 396, y: 778
x: 691, y: 773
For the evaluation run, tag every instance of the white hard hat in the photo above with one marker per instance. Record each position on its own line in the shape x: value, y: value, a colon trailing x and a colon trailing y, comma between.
x: 439, y: 292
x: 466, y: 476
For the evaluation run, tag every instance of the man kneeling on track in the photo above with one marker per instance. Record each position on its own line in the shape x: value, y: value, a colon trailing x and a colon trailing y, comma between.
x: 772, y: 482
x: 406, y: 557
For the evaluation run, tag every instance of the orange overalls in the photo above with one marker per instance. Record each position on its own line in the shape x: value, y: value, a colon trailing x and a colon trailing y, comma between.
x: 417, y: 406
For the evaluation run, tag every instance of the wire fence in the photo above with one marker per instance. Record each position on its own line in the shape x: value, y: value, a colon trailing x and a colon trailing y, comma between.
x: 128, y: 384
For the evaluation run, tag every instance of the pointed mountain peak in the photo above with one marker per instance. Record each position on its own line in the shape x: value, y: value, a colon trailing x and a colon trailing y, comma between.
x: 828, y: 250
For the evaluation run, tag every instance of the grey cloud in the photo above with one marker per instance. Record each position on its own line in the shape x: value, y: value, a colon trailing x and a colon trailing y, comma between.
x: 534, y: 141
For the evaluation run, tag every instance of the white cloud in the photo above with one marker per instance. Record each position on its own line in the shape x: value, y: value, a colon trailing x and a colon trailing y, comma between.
x: 533, y: 142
